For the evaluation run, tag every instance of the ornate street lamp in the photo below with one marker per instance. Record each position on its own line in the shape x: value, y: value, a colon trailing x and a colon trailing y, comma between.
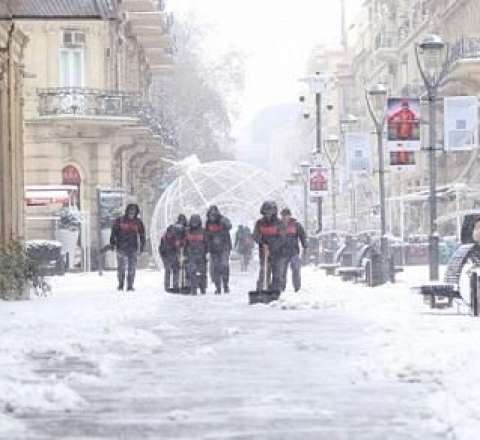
x: 376, y: 98
x: 345, y: 122
x: 332, y: 153
x: 318, y: 84
x: 432, y: 60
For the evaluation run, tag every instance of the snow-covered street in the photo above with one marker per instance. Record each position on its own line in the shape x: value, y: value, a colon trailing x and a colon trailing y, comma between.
x: 338, y: 361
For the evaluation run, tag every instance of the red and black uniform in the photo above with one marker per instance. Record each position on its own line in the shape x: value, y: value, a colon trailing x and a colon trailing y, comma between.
x: 171, y: 248
x: 295, y: 233
x: 270, y: 232
x: 219, y: 247
x: 196, y: 254
x: 128, y: 238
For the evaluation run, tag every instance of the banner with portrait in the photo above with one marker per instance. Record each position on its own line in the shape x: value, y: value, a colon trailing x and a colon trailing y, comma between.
x: 358, y: 153
x: 402, y: 160
x: 318, y: 181
x: 403, y: 124
x: 461, y: 123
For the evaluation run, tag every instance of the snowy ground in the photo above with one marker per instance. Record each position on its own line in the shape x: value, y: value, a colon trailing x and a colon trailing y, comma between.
x: 338, y: 361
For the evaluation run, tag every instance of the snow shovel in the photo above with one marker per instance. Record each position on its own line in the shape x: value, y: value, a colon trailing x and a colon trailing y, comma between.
x: 183, y: 289
x: 266, y: 295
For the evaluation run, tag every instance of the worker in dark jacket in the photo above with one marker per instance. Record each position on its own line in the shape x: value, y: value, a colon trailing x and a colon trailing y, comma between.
x: 269, y: 233
x: 171, y: 251
x: 196, y: 253
x: 128, y: 239
x: 294, y: 234
x: 219, y: 247
x: 244, y: 245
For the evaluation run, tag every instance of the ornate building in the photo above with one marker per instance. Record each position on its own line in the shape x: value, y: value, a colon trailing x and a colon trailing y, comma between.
x: 382, y: 49
x: 12, y: 45
x: 88, y: 118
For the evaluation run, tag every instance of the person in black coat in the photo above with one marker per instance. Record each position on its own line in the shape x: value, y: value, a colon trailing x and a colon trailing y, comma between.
x: 128, y: 239
x: 294, y: 234
x: 171, y: 249
x: 196, y: 253
x: 269, y: 233
x: 219, y: 246
x: 244, y: 245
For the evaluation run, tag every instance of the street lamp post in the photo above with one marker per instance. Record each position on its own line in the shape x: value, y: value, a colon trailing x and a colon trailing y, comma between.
x: 431, y: 56
x: 348, y: 121
x: 332, y: 153
x: 317, y: 84
x: 376, y: 98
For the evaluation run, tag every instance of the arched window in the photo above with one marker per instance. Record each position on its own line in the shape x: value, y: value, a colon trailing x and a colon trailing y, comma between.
x: 71, y: 176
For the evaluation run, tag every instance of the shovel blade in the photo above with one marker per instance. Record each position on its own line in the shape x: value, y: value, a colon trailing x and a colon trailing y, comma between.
x: 263, y: 296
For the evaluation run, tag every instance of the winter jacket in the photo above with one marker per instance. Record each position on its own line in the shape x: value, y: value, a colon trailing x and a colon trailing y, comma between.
x: 295, y: 233
x: 196, y: 244
x: 128, y: 235
x: 271, y: 233
x: 172, y: 241
x: 218, y: 235
x: 244, y: 241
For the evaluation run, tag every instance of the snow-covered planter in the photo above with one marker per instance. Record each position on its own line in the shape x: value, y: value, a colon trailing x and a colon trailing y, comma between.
x: 110, y: 260
x: 19, y: 274
x: 68, y: 231
x: 47, y: 254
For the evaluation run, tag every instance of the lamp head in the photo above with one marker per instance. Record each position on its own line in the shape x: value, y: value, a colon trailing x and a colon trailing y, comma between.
x: 431, y: 51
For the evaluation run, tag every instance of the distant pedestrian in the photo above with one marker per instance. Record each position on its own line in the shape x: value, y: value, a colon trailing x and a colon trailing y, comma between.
x: 219, y: 247
x: 244, y: 245
x: 128, y: 239
x: 295, y: 233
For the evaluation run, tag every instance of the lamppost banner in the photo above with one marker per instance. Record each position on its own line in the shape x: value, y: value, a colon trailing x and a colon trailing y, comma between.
x: 318, y: 181
x: 358, y: 152
x: 402, y: 160
x: 461, y: 122
x: 403, y: 124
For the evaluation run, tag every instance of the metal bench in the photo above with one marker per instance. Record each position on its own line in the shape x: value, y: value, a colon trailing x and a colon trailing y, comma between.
x: 357, y: 271
x: 442, y: 294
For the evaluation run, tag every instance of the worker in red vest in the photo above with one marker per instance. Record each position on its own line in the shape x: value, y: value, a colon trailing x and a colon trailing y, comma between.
x: 270, y: 234
x: 295, y: 233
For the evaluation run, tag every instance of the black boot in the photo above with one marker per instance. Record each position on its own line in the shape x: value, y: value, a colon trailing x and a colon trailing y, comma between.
x: 120, y: 287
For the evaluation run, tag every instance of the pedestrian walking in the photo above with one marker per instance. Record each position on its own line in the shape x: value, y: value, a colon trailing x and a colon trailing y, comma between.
x: 128, y: 239
x: 196, y: 254
x: 219, y: 247
x: 171, y: 250
x: 270, y: 234
x: 244, y: 244
x: 295, y: 234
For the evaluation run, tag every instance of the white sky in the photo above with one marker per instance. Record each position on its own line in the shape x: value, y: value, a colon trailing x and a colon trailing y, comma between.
x: 278, y: 36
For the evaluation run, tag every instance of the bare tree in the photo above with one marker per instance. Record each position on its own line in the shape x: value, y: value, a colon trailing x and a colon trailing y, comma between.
x: 199, y: 101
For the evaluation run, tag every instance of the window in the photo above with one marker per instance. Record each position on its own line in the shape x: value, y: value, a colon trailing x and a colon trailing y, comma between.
x: 72, y: 67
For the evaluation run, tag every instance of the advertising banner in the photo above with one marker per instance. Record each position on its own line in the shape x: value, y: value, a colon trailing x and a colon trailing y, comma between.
x: 358, y: 153
x: 318, y: 181
x: 403, y: 124
x: 110, y: 206
x: 461, y: 123
x: 402, y: 160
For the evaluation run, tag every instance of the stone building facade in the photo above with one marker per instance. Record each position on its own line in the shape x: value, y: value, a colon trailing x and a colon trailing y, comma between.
x: 12, y: 46
x: 88, y: 118
x: 382, y: 49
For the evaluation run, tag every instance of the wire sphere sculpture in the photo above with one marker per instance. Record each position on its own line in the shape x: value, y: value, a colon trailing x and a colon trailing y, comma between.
x: 237, y: 188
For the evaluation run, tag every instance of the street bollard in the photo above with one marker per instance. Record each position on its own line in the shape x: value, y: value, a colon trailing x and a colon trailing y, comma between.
x: 474, y: 303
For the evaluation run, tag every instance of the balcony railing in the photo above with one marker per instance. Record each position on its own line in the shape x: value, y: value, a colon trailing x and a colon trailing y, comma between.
x: 67, y: 101
x: 87, y: 102
x: 466, y: 48
x: 386, y: 40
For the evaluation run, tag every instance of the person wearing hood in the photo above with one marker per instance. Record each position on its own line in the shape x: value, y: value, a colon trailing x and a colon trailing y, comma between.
x: 196, y: 253
x: 295, y: 233
x: 128, y: 239
x: 269, y: 233
x: 219, y: 246
x: 171, y: 249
